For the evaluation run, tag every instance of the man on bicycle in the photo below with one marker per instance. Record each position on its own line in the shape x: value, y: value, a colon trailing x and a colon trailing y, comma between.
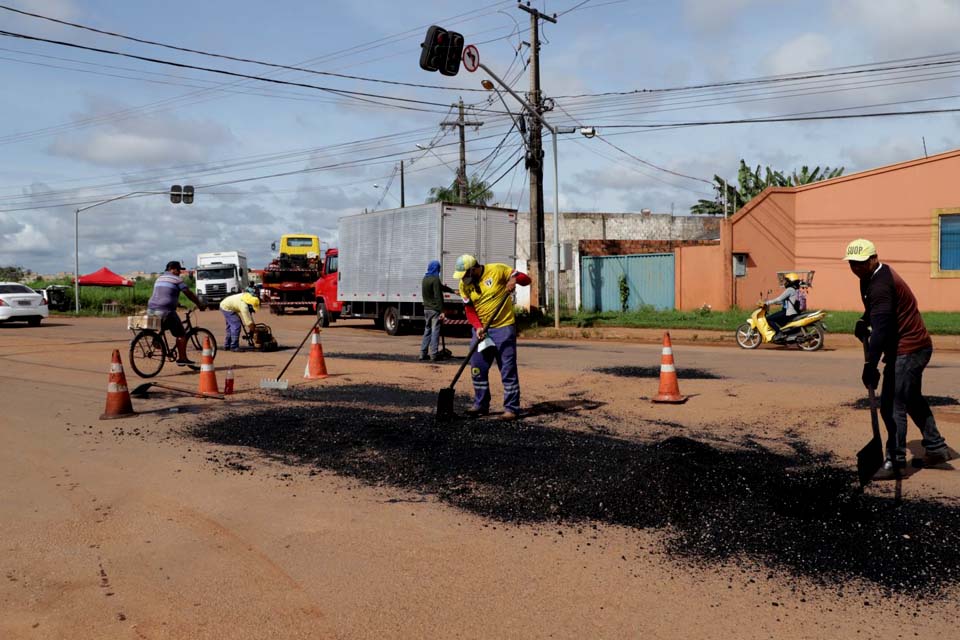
x: 163, y: 303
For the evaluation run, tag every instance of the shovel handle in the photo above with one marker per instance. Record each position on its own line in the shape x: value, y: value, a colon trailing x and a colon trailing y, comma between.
x: 302, y: 342
x: 476, y: 343
x: 872, y: 394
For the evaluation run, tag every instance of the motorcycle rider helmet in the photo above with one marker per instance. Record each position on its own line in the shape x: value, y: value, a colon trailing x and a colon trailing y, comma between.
x: 791, y: 279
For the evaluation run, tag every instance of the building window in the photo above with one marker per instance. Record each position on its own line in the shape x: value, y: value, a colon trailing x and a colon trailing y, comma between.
x: 739, y: 265
x: 949, y: 242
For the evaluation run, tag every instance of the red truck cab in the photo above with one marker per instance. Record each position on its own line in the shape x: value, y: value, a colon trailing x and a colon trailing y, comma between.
x: 328, y: 307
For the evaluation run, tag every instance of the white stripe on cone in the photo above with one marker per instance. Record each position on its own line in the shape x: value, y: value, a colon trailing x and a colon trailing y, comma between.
x: 206, y: 367
x: 667, y: 351
x: 116, y: 367
x: 113, y: 387
x: 669, y: 368
x: 207, y: 352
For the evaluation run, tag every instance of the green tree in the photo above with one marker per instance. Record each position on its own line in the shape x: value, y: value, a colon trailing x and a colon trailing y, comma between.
x: 13, y: 273
x: 751, y: 182
x: 478, y: 192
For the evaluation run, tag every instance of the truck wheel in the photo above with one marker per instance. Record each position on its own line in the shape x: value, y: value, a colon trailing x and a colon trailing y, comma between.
x: 391, y: 321
x: 323, y: 314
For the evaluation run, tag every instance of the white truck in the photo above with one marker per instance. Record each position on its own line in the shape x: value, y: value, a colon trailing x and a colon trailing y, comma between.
x: 220, y: 274
x: 377, y: 268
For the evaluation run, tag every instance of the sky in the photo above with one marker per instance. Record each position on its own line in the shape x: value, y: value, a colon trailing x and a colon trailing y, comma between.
x: 268, y: 157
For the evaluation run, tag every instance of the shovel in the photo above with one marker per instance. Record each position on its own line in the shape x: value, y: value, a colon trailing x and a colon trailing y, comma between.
x: 870, y: 458
x: 277, y: 383
x: 141, y: 391
x: 447, y: 394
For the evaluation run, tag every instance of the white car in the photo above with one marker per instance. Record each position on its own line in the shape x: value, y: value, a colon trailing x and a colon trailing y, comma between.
x: 20, y: 302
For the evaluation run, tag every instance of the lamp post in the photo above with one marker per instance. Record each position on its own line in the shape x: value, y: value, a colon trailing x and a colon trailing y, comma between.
x: 76, y: 233
x: 556, y: 188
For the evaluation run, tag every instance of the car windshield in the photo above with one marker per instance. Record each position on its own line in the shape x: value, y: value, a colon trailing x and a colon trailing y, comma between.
x: 15, y: 288
x: 220, y: 273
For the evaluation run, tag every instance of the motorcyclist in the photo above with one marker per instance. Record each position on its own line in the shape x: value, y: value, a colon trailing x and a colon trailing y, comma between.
x: 789, y: 301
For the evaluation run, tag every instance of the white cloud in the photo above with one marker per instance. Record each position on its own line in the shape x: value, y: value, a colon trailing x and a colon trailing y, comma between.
x: 900, y: 28
x: 713, y: 15
x: 148, y: 140
x: 802, y: 53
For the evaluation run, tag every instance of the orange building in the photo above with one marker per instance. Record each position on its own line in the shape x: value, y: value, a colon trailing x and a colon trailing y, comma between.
x: 910, y: 210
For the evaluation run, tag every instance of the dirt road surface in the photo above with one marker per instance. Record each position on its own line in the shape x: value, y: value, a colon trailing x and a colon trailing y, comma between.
x: 339, y: 510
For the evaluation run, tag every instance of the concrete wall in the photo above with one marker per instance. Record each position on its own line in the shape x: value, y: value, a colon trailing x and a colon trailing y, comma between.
x: 698, y: 281
x: 896, y: 207
x: 603, y: 226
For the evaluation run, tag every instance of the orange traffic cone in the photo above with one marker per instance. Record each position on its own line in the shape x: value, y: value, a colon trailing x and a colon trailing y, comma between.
x: 669, y: 388
x: 316, y: 367
x: 208, y: 374
x: 118, y: 397
x: 228, y: 383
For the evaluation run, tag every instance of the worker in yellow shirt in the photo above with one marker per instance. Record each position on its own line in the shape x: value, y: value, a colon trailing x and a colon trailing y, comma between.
x: 237, y: 309
x: 482, y: 287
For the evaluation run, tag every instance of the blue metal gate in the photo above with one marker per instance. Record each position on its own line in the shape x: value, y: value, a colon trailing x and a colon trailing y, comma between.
x: 650, y: 277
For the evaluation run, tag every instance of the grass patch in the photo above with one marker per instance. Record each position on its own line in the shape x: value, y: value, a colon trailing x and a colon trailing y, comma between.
x: 92, y: 299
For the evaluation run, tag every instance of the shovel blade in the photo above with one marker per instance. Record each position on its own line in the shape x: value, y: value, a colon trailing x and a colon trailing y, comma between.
x: 869, y: 461
x: 274, y: 384
x: 445, y: 404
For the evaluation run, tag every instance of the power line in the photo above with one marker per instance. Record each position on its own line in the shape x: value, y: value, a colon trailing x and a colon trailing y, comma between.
x: 357, y: 95
x: 233, y: 58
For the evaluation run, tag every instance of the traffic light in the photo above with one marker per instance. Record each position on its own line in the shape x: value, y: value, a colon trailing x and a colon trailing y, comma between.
x: 441, y: 51
x: 454, y: 52
x: 182, y: 194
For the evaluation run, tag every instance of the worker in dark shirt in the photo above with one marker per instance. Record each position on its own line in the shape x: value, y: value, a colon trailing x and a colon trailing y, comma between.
x: 893, y: 329
x: 432, y: 290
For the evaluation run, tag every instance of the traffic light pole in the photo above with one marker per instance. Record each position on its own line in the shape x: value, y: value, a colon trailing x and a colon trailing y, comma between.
x: 76, y: 240
x: 556, y: 190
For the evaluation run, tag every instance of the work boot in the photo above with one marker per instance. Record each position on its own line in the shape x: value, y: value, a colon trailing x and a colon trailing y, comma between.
x: 423, y: 356
x: 890, y: 471
x: 933, y: 458
x: 778, y: 337
x: 473, y: 412
x: 507, y: 416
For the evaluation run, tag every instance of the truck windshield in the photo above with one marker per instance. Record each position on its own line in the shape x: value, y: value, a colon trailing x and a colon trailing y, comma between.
x: 219, y: 273
x: 300, y: 242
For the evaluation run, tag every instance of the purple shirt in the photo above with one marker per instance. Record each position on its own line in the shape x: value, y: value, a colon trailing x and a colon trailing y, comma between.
x: 166, y: 293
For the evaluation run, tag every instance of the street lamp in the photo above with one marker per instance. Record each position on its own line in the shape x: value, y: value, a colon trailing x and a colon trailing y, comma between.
x: 556, y: 184
x: 174, y: 191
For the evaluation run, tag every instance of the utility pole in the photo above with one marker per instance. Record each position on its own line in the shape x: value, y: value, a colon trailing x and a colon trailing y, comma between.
x: 536, y: 266
x: 462, y: 173
x: 402, y: 198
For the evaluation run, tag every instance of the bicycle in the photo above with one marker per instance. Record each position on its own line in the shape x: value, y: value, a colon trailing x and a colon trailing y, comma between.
x: 149, y: 349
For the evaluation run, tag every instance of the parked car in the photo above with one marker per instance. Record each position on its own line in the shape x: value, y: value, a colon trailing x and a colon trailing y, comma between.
x: 20, y: 302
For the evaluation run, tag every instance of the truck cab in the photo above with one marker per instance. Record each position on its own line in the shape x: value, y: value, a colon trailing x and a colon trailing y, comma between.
x: 221, y: 274
x: 327, y: 305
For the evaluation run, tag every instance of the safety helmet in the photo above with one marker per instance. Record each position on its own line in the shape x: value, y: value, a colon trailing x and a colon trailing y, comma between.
x: 791, y: 277
x: 251, y: 300
x: 464, y: 264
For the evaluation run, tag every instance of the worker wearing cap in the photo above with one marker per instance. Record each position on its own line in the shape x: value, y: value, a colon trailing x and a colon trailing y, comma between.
x: 163, y: 303
x: 482, y: 288
x: 892, y: 328
x: 238, y: 309
x: 789, y: 301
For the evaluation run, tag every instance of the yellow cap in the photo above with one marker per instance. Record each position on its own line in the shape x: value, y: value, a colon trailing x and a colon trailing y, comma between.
x: 464, y: 264
x: 860, y: 250
x: 253, y: 301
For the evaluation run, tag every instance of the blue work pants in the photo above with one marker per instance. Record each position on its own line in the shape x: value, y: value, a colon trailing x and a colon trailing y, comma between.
x: 233, y: 329
x: 505, y: 353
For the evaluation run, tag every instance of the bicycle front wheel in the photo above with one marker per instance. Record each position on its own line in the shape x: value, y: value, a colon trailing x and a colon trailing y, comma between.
x: 147, y: 353
x: 195, y: 340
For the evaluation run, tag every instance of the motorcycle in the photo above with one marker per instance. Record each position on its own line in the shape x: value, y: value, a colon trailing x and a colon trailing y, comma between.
x: 806, y: 330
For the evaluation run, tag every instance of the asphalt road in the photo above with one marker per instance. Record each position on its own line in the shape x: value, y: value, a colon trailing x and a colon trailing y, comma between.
x: 339, y: 509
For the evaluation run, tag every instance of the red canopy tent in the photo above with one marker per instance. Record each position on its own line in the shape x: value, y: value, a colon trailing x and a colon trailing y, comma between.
x: 103, y: 277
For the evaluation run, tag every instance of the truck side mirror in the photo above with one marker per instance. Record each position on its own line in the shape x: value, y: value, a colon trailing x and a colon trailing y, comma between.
x: 273, y: 246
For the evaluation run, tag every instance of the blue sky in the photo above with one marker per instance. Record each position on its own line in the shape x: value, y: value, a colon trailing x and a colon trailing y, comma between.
x: 81, y: 126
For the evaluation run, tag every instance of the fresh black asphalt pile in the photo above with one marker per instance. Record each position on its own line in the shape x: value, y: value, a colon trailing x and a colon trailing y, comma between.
x: 933, y: 401
x: 796, y: 512
x: 654, y: 372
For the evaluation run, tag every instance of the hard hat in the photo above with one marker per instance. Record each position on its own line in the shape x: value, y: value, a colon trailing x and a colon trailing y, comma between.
x: 464, y: 264
x: 251, y: 300
x: 860, y: 250
x: 791, y: 276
